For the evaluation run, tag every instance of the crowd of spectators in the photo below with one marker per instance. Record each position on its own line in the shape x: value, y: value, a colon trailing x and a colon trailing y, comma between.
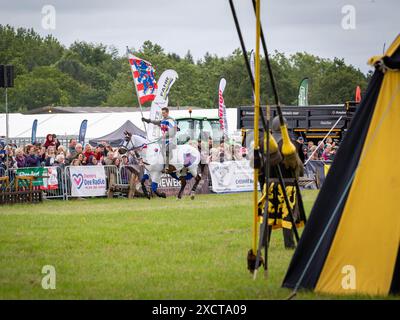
x: 323, y: 150
x: 220, y: 152
x: 52, y: 153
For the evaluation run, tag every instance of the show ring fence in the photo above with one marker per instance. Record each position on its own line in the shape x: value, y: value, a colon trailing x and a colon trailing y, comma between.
x: 91, y: 181
x: 316, y: 171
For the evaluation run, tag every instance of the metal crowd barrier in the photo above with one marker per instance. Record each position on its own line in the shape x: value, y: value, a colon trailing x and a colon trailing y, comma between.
x: 125, y: 172
x: 58, y: 193
x: 53, y: 193
x: 316, y: 170
x: 63, y: 188
x: 112, y: 176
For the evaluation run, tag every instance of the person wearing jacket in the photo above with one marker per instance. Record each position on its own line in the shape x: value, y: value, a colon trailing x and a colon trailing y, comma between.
x: 20, y: 158
x: 49, y: 141
x: 50, y: 156
x: 32, y: 160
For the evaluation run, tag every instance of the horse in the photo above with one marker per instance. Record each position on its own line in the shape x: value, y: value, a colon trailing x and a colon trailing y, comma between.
x: 184, y: 163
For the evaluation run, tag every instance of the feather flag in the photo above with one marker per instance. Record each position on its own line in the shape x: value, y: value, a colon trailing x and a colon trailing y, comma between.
x: 34, y: 129
x: 166, y: 80
x: 82, y: 132
x: 143, y: 76
x: 252, y: 66
x: 303, y: 93
x: 222, y: 108
x: 358, y: 94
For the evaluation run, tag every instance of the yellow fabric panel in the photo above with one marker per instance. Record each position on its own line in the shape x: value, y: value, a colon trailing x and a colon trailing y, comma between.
x: 326, y: 169
x: 368, y: 234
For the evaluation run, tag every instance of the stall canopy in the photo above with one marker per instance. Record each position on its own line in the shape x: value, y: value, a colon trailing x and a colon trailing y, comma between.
x: 116, y: 137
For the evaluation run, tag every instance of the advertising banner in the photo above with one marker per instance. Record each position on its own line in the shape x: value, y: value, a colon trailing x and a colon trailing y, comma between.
x: 171, y: 186
x: 231, y: 176
x: 88, y: 181
x: 45, y: 178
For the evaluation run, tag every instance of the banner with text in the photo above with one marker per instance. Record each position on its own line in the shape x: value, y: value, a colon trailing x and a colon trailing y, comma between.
x: 44, y: 178
x: 88, y: 181
x: 171, y: 186
x: 231, y: 176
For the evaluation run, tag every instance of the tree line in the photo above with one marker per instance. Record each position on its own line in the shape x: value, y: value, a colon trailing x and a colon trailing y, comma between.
x: 88, y: 74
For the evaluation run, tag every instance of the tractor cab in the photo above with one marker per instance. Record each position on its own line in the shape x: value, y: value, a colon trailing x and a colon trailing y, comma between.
x: 195, y: 128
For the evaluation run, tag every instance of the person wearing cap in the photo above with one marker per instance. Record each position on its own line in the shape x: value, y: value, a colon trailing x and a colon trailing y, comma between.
x: 168, y: 130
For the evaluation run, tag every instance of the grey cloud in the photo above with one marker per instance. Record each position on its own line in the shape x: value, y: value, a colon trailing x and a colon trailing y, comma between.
x: 207, y: 25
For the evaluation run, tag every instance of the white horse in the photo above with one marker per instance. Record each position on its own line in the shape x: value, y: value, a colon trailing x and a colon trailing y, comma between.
x: 185, y: 162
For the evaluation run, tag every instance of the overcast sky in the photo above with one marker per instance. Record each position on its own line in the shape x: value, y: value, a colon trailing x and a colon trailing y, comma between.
x: 291, y: 26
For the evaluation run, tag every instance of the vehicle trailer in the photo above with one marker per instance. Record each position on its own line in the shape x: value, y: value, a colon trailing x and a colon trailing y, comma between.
x: 310, y: 122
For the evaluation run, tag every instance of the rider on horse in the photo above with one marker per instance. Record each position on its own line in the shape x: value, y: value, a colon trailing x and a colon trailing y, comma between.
x: 168, y: 129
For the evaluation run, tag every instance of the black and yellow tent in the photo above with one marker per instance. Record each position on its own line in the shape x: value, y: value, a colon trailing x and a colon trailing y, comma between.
x: 352, y: 239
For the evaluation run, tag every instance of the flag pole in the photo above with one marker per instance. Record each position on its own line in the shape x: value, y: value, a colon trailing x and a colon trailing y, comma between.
x: 137, y: 95
x: 256, y: 119
x: 7, y: 124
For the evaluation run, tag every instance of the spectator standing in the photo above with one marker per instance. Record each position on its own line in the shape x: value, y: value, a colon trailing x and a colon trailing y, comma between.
x: 117, y: 161
x: 310, y: 149
x: 50, y: 156
x: 125, y: 160
x: 49, y: 141
x: 75, y: 162
x: 42, y: 154
x: 57, y: 143
x: 313, y: 155
x: 326, y: 154
x: 33, y: 159
x: 109, y: 159
x: 214, y: 155
x: 75, y: 154
x: 88, y: 151
x: 99, y: 152
x: 60, y: 161
x: 237, y: 152
x: 20, y: 158
x: 71, y: 146
x: 62, y: 150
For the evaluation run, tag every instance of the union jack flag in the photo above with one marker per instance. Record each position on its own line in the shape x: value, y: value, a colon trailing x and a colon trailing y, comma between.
x: 143, y: 76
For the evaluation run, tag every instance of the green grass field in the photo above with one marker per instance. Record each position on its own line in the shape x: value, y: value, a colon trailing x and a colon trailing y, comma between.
x: 138, y: 249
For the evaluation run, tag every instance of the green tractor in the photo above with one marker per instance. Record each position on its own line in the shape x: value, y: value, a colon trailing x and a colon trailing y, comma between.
x: 198, y: 128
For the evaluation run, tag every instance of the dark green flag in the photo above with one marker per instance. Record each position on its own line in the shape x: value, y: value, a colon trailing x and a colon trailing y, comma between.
x: 303, y: 93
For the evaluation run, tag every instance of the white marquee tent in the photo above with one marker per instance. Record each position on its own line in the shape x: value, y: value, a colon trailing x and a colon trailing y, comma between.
x: 67, y: 124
